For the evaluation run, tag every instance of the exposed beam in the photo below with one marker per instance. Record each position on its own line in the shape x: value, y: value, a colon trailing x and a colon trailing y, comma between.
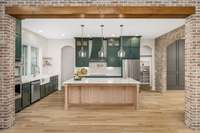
x: 99, y: 11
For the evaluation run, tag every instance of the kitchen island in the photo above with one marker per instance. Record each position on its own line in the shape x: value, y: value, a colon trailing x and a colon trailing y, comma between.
x: 102, y: 91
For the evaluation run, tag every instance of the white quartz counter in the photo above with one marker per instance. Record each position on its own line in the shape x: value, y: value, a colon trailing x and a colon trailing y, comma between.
x: 103, y: 81
x: 26, y: 79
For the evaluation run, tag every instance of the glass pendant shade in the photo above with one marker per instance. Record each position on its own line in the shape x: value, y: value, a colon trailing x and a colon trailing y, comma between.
x: 121, y: 53
x: 101, y: 53
x: 82, y: 53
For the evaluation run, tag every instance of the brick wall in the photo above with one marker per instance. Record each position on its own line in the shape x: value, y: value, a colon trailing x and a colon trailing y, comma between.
x: 7, y: 64
x: 161, y: 44
x: 7, y: 39
x: 192, y: 67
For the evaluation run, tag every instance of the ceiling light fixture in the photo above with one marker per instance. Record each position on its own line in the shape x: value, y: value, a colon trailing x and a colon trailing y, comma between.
x: 82, y: 53
x: 121, y: 53
x: 40, y: 31
x: 101, y: 53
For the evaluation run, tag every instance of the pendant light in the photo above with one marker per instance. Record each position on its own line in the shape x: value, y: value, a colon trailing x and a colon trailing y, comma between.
x: 101, y: 53
x: 121, y: 53
x: 82, y: 53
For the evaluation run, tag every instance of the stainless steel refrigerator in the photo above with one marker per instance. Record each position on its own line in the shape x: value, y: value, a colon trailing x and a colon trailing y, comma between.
x: 131, y: 69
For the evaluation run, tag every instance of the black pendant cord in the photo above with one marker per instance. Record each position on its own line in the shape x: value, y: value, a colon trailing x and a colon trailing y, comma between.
x: 121, y: 36
x: 82, y: 26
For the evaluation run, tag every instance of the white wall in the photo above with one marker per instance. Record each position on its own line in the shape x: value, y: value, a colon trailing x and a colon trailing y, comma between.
x: 54, y: 50
x: 47, y: 48
x: 32, y: 39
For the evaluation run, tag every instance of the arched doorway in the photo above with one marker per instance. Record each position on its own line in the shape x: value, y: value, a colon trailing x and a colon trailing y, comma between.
x: 67, y: 63
x: 176, y: 65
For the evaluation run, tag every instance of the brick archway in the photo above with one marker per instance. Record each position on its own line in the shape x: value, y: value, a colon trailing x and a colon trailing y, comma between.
x: 154, y: 9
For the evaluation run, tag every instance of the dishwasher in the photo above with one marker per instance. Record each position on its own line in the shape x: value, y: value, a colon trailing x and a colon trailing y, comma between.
x: 35, y: 91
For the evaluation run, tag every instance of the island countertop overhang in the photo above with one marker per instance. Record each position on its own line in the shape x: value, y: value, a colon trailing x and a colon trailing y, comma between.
x: 103, y: 81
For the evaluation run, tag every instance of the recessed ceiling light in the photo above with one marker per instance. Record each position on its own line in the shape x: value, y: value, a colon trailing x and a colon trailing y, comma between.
x: 63, y: 35
x: 113, y: 35
x: 137, y: 34
x: 40, y: 31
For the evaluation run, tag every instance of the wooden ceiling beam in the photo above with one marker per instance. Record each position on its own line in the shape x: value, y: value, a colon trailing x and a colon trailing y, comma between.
x: 99, y: 11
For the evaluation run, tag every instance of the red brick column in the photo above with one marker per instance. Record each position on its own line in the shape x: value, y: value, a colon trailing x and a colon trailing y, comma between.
x: 192, y: 71
x: 7, y: 64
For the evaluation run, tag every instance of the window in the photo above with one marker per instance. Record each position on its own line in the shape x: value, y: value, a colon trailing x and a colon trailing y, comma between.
x: 25, y: 60
x: 35, y: 61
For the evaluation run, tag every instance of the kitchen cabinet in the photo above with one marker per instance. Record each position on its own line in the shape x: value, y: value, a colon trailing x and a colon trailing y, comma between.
x: 43, y: 90
x: 112, y: 49
x: 131, y: 45
x: 82, y: 62
x: 18, y: 42
x: 26, y: 94
x: 48, y: 88
x: 96, y: 47
x: 18, y: 104
x: 54, y: 83
x: 18, y: 100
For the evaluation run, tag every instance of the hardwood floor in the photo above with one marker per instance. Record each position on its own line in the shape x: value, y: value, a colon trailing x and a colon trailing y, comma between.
x: 158, y: 113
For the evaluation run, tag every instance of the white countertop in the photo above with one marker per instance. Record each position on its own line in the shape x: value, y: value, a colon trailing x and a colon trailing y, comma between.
x: 26, y: 79
x: 103, y: 81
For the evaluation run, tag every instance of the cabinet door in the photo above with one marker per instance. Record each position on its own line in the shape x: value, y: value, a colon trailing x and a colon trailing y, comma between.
x: 47, y: 89
x: 18, y: 105
x: 42, y: 91
x: 131, y: 41
x: 26, y: 94
x: 82, y: 62
x: 96, y: 47
x: 131, y: 46
x: 135, y: 42
x: 18, y: 26
x: 112, y: 57
x: 18, y: 47
x: 18, y: 43
x: 132, y: 53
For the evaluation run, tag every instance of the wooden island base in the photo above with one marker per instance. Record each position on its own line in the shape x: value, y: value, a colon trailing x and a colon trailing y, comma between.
x: 101, y: 94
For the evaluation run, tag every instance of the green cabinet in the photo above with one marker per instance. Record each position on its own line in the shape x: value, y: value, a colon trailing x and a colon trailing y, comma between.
x: 54, y: 83
x: 26, y: 94
x: 96, y: 47
x: 43, y: 90
x: 131, y: 45
x: 18, y: 104
x: 112, y: 49
x: 18, y: 43
x: 82, y: 62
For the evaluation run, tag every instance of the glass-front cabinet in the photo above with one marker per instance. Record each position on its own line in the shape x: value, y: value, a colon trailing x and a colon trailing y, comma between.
x: 110, y: 46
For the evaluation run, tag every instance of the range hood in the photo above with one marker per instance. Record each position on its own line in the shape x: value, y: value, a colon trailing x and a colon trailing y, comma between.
x: 95, y: 46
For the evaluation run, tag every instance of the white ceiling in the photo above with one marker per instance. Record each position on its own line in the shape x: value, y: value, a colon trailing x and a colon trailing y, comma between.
x: 69, y: 28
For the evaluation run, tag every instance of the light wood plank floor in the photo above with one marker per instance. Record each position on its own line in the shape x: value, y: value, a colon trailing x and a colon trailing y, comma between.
x: 159, y: 113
